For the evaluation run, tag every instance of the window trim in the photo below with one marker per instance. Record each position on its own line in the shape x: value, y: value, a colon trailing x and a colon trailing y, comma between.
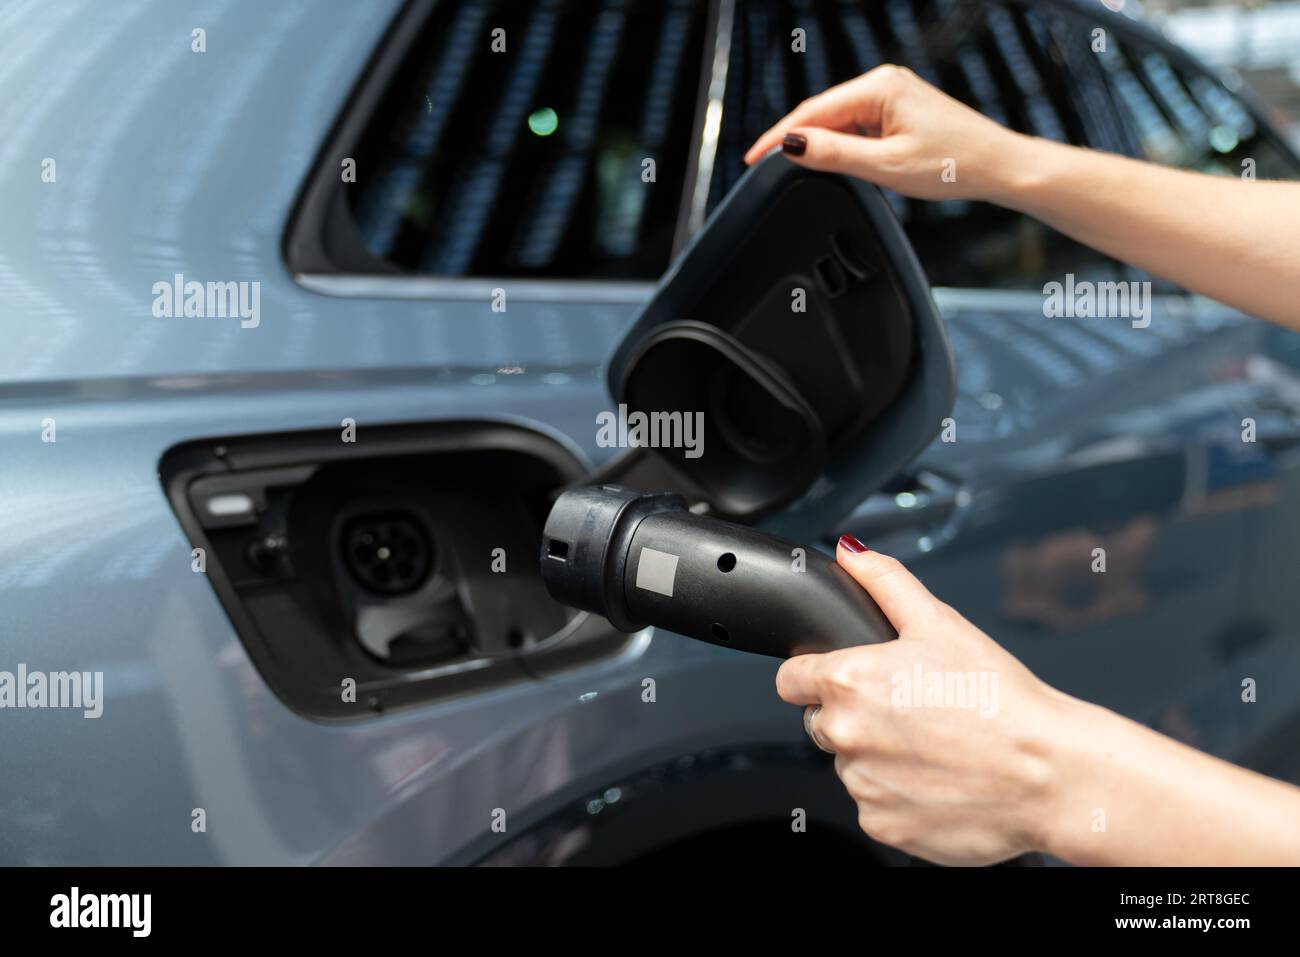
x: 709, y: 107
x: 476, y: 288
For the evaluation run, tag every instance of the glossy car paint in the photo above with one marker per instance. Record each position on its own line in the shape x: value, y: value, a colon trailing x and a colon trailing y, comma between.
x: 172, y: 162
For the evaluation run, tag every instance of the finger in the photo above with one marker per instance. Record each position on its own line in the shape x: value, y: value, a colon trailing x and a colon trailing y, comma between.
x: 898, y: 592
x: 812, y: 720
x: 855, y: 104
x: 799, y: 117
x: 797, y: 680
x: 835, y: 152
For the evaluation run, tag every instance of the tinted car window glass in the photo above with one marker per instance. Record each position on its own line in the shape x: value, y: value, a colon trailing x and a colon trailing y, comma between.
x: 536, y: 160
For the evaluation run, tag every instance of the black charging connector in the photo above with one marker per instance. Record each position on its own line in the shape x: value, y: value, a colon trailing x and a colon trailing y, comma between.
x: 645, y: 559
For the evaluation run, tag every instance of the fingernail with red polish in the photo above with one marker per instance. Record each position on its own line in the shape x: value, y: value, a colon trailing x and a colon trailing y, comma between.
x: 852, y: 544
x: 794, y: 144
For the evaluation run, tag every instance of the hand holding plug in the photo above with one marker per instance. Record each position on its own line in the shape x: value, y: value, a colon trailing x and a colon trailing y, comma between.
x: 941, y: 737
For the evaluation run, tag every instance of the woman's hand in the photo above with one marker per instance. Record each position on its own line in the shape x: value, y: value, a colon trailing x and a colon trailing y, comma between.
x: 892, y: 128
x: 1014, y: 765
x: 966, y: 781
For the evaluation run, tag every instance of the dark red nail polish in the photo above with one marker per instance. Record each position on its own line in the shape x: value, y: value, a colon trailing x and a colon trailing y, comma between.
x: 853, y: 545
x: 794, y: 144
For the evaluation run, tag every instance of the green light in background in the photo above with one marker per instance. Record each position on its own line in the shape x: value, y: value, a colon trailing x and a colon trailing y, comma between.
x: 544, y: 122
x: 1224, y: 139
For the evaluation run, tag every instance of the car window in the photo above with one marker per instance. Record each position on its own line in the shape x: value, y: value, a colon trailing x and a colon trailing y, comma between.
x: 556, y: 147
x: 1037, y: 69
x: 570, y: 153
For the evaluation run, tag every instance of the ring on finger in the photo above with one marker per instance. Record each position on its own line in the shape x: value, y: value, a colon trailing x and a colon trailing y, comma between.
x: 809, y: 714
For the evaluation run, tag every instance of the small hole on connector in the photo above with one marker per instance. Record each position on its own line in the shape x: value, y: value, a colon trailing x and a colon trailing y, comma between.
x: 719, y: 633
x: 726, y: 562
x: 557, y: 549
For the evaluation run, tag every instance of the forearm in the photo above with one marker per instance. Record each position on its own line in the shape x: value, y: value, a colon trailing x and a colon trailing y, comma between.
x: 1228, y: 239
x: 1121, y: 794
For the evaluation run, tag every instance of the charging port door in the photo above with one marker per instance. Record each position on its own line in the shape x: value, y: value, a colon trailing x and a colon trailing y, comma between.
x: 796, y: 343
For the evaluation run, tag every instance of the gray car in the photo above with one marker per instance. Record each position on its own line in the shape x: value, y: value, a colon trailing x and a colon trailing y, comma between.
x: 306, y: 308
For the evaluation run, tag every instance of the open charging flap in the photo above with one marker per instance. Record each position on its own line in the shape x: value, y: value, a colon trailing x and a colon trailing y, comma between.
x: 798, y: 333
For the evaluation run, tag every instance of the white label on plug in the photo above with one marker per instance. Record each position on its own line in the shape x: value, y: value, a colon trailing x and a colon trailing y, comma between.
x: 656, y: 571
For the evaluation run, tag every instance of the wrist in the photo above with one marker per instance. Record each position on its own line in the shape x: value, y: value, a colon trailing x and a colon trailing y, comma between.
x: 1063, y: 735
x: 1024, y: 168
x: 1092, y: 753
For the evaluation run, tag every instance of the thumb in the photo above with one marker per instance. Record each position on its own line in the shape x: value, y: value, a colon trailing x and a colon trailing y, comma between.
x: 898, y: 592
x: 833, y: 152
